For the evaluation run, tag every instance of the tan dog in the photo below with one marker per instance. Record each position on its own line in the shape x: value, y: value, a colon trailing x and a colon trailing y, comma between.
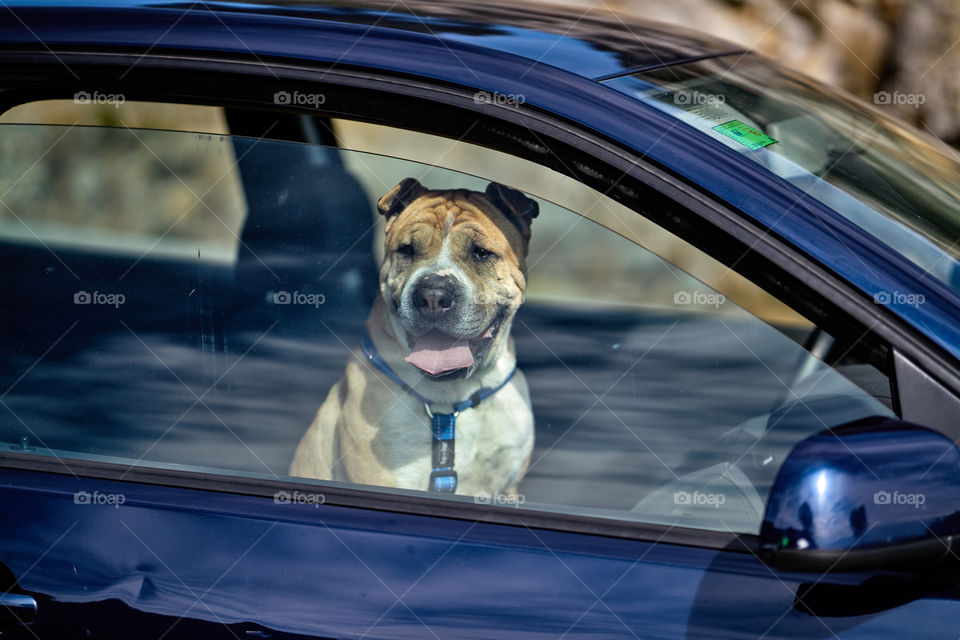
x: 452, y: 278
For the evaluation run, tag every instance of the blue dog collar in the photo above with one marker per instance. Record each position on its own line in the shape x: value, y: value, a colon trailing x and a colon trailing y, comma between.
x: 443, y: 477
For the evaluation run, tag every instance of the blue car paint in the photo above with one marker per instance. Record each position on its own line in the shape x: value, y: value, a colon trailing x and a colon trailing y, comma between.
x: 347, y: 572
x: 810, y: 225
x: 546, y: 38
x: 842, y: 490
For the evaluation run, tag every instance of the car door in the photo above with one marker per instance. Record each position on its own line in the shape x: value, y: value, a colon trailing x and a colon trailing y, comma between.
x: 184, y: 301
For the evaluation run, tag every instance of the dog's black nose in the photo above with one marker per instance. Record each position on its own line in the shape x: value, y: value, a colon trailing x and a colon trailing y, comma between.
x: 435, y: 295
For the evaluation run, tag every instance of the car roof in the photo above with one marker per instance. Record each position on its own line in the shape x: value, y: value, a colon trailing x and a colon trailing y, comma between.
x: 594, y: 44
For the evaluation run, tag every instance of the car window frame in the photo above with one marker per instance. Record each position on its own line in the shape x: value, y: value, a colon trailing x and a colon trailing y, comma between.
x: 671, y: 202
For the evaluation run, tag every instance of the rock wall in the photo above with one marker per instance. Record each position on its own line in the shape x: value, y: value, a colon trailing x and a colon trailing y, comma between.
x: 909, y: 49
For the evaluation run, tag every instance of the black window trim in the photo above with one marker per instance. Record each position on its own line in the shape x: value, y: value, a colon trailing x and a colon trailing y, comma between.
x: 769, y: 261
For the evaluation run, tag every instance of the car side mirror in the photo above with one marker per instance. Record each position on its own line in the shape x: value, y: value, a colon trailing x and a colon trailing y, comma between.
x: 873, y: 494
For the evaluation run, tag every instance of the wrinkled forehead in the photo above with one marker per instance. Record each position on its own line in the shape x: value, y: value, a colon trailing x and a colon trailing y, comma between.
x: 464, y: 211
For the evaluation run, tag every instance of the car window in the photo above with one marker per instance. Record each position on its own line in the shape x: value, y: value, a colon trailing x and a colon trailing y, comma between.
x: 160, y: 195
x: 565, y: 192
x: 648, y: 395
x: 102, y: 109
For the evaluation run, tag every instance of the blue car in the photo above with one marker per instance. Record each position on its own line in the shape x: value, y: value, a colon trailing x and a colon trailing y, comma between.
x: 738, y: 343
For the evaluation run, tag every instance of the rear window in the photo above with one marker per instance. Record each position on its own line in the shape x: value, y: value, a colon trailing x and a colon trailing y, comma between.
x: 893, y: 181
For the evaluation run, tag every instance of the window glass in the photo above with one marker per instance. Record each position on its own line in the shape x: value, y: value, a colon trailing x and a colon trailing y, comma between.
x: 567, y: 193
x: 120, y: 190
x: 101, y: 109
x: 642, y: 393
x: 890, y: 180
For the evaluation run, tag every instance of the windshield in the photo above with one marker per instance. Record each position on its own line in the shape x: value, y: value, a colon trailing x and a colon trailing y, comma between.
x: 848, y: 156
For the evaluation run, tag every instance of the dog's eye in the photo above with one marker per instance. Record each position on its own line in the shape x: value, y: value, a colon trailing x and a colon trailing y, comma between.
x: 482, y: 254
x: 406, y: 250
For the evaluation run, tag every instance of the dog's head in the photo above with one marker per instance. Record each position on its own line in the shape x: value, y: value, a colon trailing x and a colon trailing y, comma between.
x: 454, y: 272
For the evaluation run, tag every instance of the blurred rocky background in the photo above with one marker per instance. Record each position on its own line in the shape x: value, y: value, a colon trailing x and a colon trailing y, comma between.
x: 902, y: 47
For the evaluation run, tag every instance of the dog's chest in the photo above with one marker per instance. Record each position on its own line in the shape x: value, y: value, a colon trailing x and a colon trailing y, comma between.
x: 491, y: 447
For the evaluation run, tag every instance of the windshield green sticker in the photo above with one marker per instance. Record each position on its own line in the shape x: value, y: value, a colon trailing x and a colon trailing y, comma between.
x: 744, y: 134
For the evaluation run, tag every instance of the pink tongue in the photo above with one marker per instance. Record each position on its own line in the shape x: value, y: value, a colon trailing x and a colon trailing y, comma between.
x: 436, y: 352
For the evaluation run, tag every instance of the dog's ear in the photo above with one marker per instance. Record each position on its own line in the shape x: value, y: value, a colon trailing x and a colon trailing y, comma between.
x: 399, y: 198
x: 518, y: 208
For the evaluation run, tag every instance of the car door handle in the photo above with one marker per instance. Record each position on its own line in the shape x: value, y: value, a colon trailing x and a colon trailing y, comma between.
x: 16, y: 608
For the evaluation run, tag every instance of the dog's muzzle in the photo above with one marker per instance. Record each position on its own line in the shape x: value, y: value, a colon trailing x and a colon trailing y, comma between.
x: 445, y: 334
